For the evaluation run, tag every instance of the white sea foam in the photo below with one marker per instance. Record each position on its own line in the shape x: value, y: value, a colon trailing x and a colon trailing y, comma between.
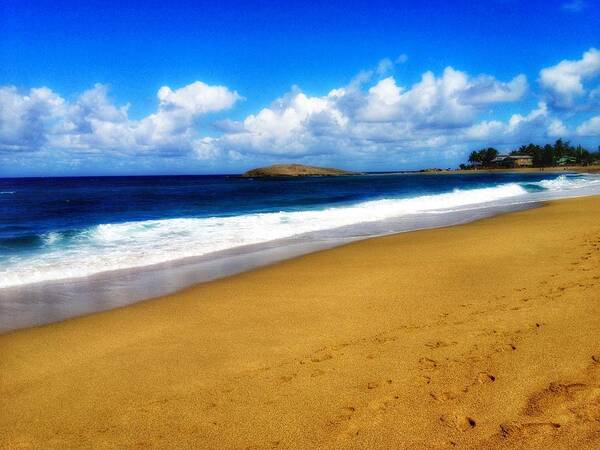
x: 109, y: 247
x: 7, y: 192
x: 568, y: 182
x: 51, y: 238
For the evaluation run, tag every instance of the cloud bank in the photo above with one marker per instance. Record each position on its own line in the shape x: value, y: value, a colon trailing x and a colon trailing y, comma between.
x: 374, y: 117
x: 41, y: 119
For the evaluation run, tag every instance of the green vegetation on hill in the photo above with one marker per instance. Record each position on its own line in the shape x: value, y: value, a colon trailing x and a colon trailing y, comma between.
x: 295, y: 170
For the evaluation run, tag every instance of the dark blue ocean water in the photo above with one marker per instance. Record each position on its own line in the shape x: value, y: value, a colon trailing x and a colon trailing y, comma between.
x: 55, y: 227
x: 32, y: 207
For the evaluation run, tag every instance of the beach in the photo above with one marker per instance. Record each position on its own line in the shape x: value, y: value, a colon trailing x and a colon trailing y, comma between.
x: 557, y: 169
x: 483, y: 335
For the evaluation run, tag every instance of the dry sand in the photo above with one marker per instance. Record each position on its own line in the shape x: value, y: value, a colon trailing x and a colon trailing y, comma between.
x: 485, y: 335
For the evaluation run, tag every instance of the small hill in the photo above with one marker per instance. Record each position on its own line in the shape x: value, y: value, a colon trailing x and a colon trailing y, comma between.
x: 295, y: 170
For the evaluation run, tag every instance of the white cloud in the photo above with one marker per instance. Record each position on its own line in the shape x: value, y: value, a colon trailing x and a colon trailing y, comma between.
x: 450, y: 100
x: 535, y: 119
x: 197, y: 98
x: 537, y: 124
x: 93, y: 123
x: 374, y: 118
x: 486, y: 90
x: 23, y: 117
x: 386, y: 117
x: 564, y: 82
x: 590, y: 127
x: 289, y: 126
x: 557, y: 129
x: 485, y: 130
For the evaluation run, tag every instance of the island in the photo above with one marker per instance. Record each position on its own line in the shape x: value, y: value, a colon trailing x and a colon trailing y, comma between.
x: 295, y: 170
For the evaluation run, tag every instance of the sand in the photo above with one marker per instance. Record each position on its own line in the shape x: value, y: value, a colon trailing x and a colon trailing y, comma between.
x: 568, y: 169
x: 485, y: 335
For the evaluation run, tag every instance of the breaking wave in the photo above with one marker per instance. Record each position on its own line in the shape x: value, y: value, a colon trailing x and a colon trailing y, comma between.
x: 115, y: 246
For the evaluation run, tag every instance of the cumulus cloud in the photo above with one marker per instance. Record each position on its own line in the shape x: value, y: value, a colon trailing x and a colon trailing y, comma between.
x: 590, y: 127
x: 291, y: 125
x: 375, y: 117
x: 535, y: 125
x: 449, y: 100
x: 41, y: 118
x: 486, y: 90
x: 23, y: 117
x: 197, y: 98
x: 557, y: 129
x: 385, y: 117
x: 564, y: 82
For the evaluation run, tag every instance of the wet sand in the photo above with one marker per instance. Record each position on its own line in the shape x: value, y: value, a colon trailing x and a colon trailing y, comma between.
x: 485, y: 335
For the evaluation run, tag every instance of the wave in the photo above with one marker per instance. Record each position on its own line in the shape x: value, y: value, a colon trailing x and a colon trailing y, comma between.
x: 7, y: 192
x: 109, y: 247
x: 51, y: 237
x: 567, y: 182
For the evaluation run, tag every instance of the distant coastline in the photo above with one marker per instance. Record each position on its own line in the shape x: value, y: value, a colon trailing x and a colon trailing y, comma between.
x: 280, y: 170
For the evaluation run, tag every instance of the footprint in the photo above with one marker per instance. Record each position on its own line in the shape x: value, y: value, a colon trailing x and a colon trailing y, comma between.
x: 509, y: 429
x: 443, y: 396
x: 438, y: 344
x: 428, y: 363
x: 460, y: 422
x: 465, y: 423
x: 345, y: 416
x: 555, y: 393
x: 538, y: 425
x: 287, y: 378
x: 379, y: 404
x: 484, y: 377
x: 347, y: 413
x: 321, y: 358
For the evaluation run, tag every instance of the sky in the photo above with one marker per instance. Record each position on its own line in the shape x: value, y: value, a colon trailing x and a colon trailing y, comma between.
x: 182, y: 87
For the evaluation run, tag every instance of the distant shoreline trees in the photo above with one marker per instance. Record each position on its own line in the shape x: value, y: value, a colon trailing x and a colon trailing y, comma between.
x: 483, y: 157
x: 550, y: 155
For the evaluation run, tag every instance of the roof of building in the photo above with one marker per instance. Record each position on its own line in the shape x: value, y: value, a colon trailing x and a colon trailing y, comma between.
x: 501, y: 158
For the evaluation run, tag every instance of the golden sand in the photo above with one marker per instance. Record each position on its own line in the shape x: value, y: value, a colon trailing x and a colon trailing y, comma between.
x: 485, y: 335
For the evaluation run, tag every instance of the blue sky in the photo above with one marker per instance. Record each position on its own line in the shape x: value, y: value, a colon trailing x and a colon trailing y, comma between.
x: 364, y: 85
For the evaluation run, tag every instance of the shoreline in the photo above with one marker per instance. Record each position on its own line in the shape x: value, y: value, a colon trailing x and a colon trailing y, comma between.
x: 53, y: 300
x: 522, y: 170
x: 32, y: 305
x: 483, y: 335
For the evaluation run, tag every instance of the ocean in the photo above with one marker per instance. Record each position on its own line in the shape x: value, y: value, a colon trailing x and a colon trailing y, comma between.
x: 57, y: 231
